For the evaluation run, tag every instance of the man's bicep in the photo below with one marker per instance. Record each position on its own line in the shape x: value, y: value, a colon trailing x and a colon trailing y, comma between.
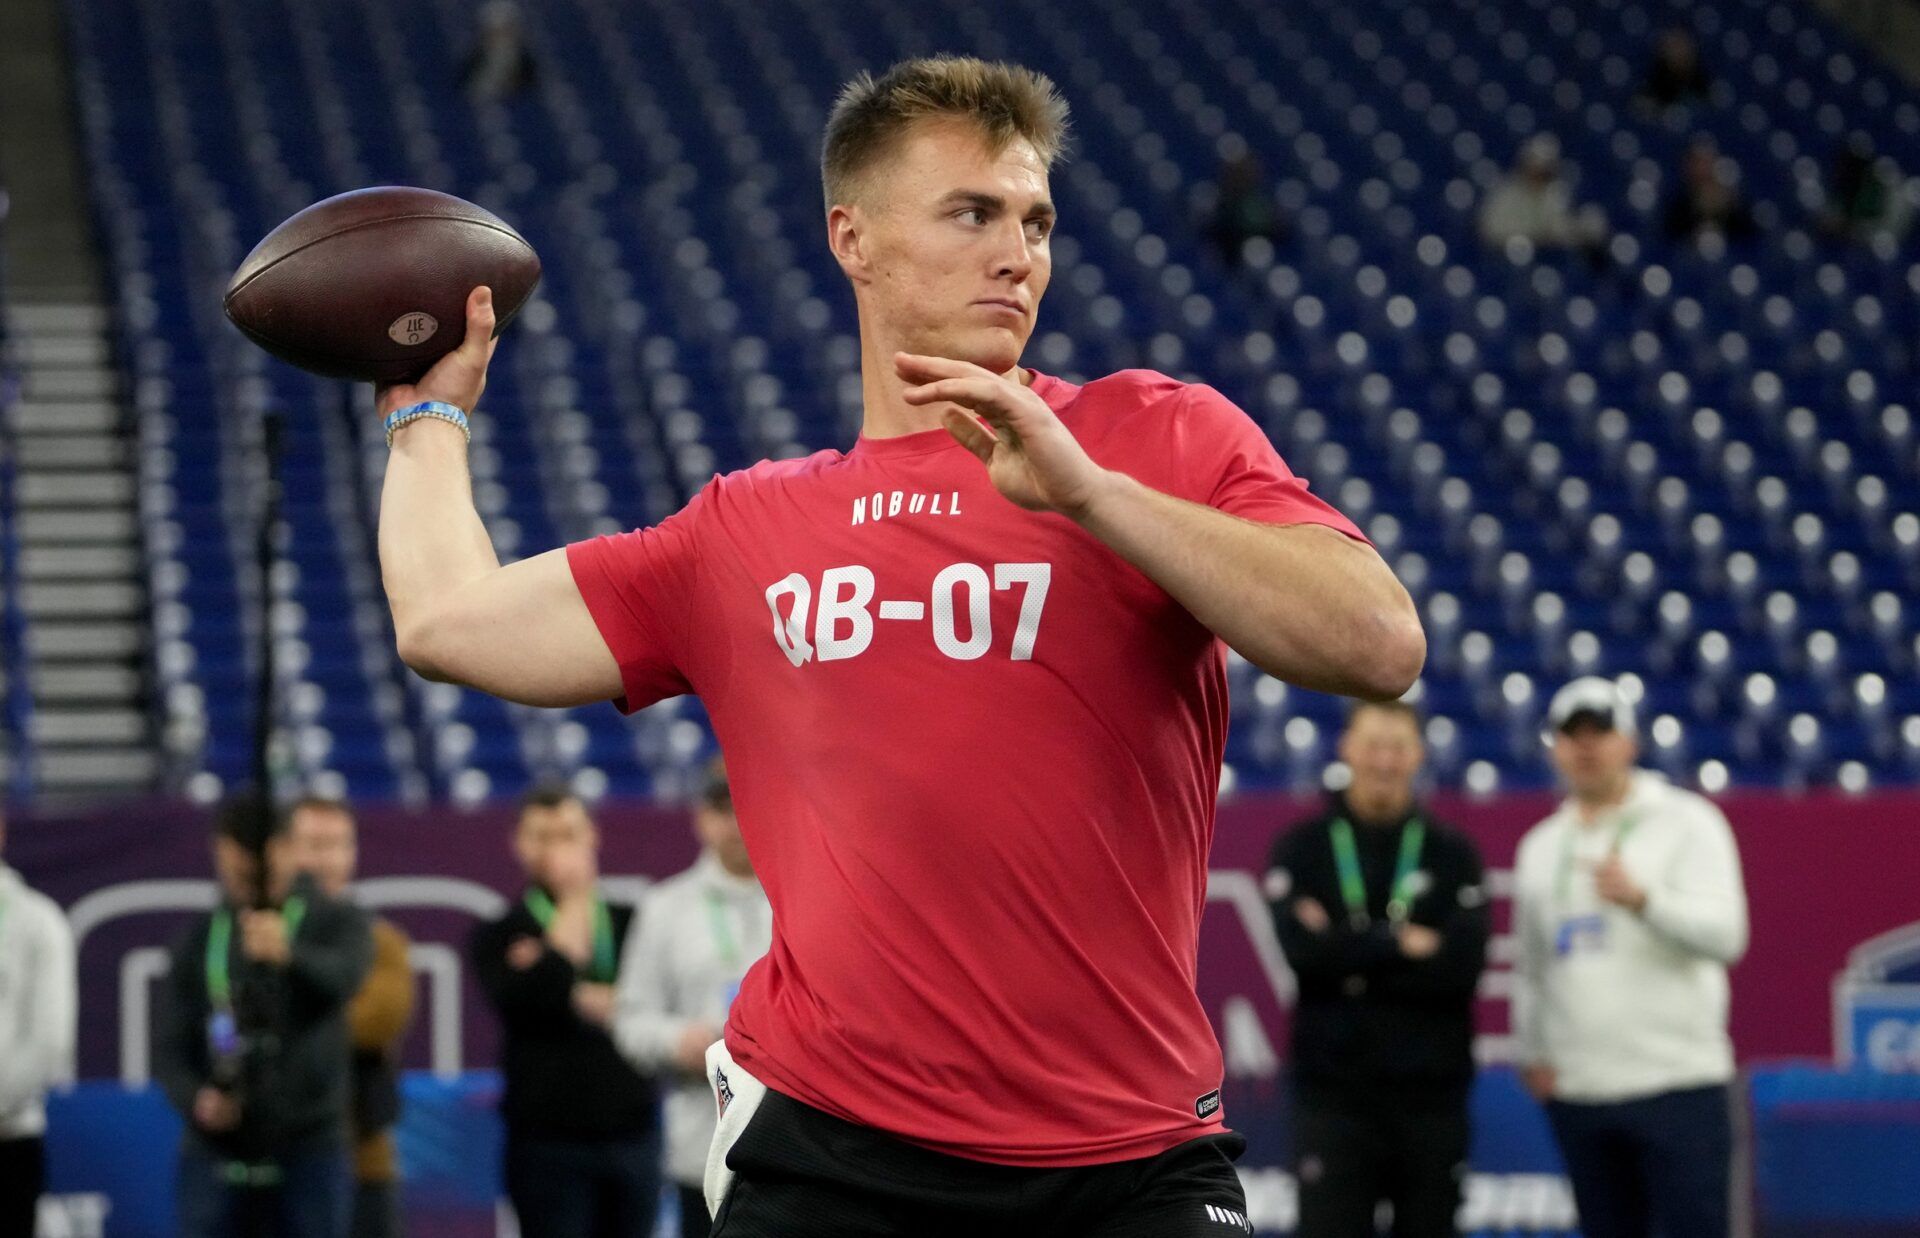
x: 523, y: 632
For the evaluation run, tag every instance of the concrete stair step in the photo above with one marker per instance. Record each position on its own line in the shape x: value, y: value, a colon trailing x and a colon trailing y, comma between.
x: 72, y: 451
x: 65, y: 350
x: 84, y: 384
x: 58, y: 527
x: 116, y: 768
x: 99, y: 600
x: 51, y: 315
x: 73, y: 488
x: 91, y: 562
x: 56, y: 683
x: 32, y: 417
x: 87, y: 726
x: 106, y: 640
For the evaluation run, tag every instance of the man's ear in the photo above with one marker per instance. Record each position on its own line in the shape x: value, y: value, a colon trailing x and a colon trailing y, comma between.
x: 847, y: 237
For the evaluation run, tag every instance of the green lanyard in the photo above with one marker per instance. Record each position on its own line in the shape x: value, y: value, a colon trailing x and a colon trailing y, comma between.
x: 1563, y: 879
x: 220, y: 943
x: 1353, y: 886
x: 722, y: 931
x: 605, y: 965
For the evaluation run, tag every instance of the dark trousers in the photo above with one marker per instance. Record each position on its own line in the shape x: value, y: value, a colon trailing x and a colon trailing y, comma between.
x: 584, y: 1188
x: 1351, y: 1153
x: 695, y: 1221
x: 23, y: 1175
x: 801, y: 1173
x: 376, y: 1210
x: 1662, y: 1165
x: 312, y: 1198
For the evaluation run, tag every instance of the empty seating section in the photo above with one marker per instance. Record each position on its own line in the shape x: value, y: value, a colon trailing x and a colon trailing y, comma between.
x: 1691, y: 463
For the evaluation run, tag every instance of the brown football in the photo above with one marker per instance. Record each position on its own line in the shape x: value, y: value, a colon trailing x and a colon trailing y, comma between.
x: 372, y: 285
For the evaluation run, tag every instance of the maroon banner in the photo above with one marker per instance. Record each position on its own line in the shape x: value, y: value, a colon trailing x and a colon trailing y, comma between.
x: 1825, y: 872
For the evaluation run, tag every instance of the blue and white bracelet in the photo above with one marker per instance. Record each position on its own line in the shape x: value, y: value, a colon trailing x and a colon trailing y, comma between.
x: 439, y: 410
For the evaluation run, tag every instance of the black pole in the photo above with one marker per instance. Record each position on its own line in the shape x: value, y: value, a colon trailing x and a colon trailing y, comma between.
x: 255, y: 996
x: 266, y: 551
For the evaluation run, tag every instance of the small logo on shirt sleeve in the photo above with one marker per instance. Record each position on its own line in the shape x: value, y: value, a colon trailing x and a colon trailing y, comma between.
x: 722, y: 1091
x: 1207, y: 1105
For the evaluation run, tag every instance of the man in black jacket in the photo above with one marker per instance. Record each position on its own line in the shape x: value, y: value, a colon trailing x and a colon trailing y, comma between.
x: 1383, y: 916
x: 583, y: 1128
x: 251, y: 1045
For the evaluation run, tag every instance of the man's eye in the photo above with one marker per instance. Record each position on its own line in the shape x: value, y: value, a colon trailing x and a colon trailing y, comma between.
x: 1041, y: 228
x: 974, y: 214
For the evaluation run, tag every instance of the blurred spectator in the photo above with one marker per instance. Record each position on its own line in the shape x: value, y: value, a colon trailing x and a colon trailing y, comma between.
x: 1244, y: 208
x: 1866, y: 196
x: 1676, y: 75
x: 265, y: 1147
x: 1383, y: 917
x: 1707, y: 198
x: 1534, y: 203
x: 1628, y: 909
x: 322, y: 834
x: 695, y: 939
x: 583, y: 1127
x: 38, y: 1002
x: 501, y: 65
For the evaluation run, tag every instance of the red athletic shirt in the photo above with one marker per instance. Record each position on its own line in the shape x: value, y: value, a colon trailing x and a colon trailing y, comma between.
x: 974, y: 755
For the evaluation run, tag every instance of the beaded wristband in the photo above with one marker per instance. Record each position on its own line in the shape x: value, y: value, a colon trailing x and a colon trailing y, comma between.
x: 437, y: 409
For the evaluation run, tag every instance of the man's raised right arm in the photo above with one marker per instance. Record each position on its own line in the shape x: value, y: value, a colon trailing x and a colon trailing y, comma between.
x: 521, y: 632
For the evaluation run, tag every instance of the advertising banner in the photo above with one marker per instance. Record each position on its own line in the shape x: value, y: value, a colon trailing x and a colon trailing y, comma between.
x: 1831, y: 971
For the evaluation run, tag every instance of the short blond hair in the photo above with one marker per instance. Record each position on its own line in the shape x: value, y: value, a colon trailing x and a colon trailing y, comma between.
x: 1006, y: 101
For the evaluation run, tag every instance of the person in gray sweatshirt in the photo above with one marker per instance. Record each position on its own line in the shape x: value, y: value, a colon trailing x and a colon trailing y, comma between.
x: 693, y: 941
x: 38, y: 996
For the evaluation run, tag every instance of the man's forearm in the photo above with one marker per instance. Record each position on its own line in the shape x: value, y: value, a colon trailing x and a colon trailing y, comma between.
x: 1709, y: 924
x: 1302, y: 602
x: 432, y: 540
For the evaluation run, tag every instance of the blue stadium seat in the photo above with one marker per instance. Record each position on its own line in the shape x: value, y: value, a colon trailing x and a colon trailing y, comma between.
x: 1687, y: 463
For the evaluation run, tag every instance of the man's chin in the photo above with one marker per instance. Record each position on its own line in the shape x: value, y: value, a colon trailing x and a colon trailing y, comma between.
x: 995, y: 349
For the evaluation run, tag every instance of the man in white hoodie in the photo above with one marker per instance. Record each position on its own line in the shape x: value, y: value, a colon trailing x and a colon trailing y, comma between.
x: 1628, y: 909
x: 38, y: 1019
x: 692, y: 942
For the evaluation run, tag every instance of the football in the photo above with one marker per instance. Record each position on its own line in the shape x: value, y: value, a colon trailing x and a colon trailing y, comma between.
x: 372, y: 285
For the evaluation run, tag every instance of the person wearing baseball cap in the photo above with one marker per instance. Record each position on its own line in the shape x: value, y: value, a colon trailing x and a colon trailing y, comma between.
x: 1628, y: 910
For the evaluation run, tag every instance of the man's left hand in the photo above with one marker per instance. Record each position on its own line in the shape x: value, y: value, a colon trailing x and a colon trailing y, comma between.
x: 1031, y: 456
x: 1615, y: 886
x: 263, y: 937
x: 1417, y: 941
x: 594, y: 1003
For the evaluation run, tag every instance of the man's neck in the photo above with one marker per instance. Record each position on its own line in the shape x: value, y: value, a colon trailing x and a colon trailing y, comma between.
x: 1380, y: 808
x: 885, y: 411
x: 1595, y: 804
x: 739, y: 872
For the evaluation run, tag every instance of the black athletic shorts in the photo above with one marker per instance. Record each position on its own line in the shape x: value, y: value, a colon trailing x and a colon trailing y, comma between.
x: 801, y: 1173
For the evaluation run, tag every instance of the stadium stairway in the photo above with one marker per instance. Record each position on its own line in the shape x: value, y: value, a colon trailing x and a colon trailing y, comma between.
x: 78, y: 646
x: 79, y: 557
